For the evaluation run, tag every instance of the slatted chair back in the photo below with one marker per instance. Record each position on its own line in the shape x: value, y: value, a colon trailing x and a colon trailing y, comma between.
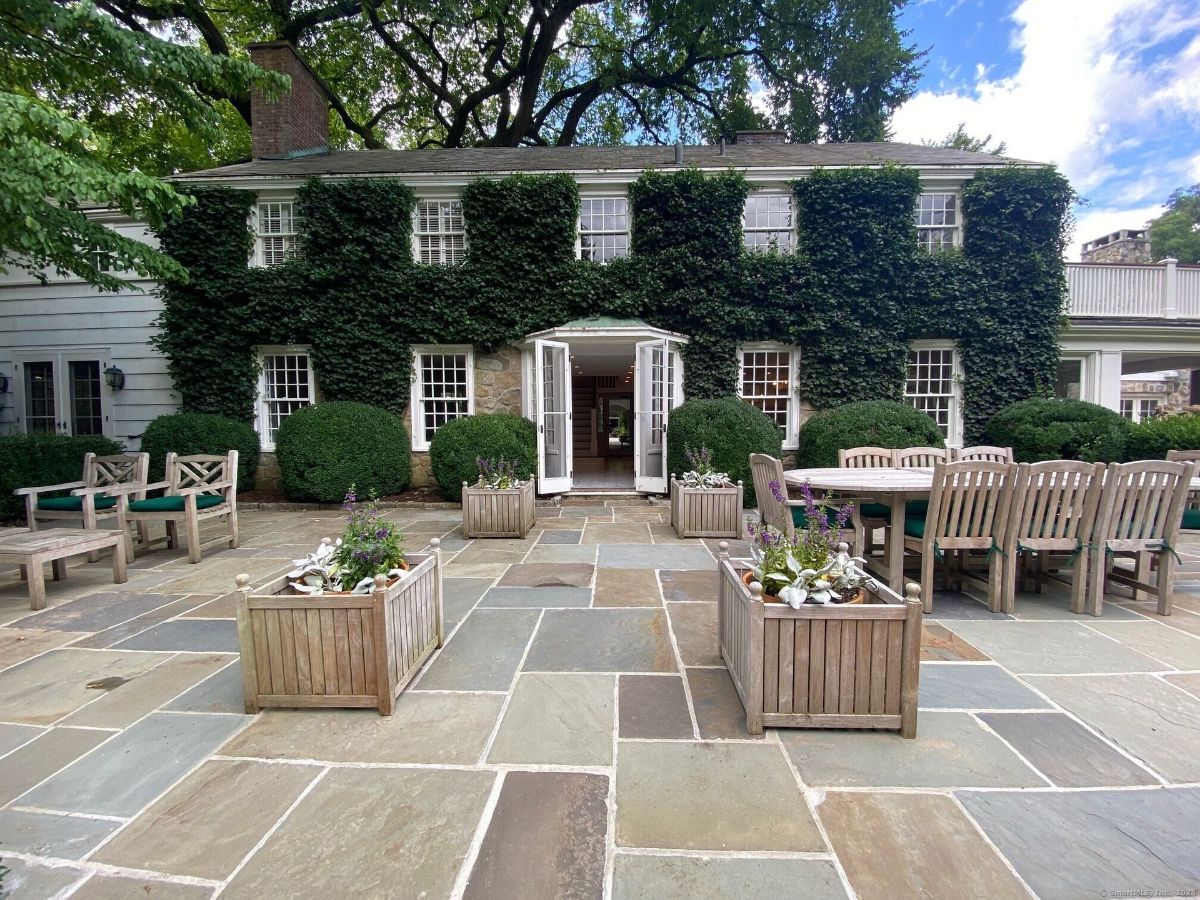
x: 1193, y: 499
x: 920, y: 457
x: 1054, y: 504
x: 765, y: 470
x: 199, y: 470
x: 984, y: 453
x: 865, y: 458
x: 115, y: 468
x: 969, y: 505
x: 1192, y: 456
x: 1142, y: 504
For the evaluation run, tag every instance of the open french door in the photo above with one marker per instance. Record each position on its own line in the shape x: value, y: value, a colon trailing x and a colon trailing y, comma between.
x: 657, y: 389
x: 552, y: 390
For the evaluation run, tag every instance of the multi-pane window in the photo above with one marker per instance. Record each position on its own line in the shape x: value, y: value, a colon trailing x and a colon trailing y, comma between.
x: 441, y: 234
x: 63, y: 395
x: 278, y: 238
x: 441, y: 391
x: 767, y: 223
x: 1139, y: 408
x: 936, y: 218
x: 603, y: 228
x: 103, y: 260
x: 86, y: 414
x: 40, y: 412
x: 931, y: 387
x: 767, y: 382
x: 285, y: 386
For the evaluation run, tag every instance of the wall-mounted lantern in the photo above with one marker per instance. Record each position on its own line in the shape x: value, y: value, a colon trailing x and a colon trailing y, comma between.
x: 115, y: 378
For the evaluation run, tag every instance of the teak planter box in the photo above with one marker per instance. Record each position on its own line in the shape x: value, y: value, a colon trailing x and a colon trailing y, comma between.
x: 326, y: 650
x: 706, y: 512
x: 832, y: 666
x: 498, y: 514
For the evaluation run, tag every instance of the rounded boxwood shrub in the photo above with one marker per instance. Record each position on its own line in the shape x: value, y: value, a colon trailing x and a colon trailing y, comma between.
x: 189, y: 433
x: 32, y: 460
x: 868, y: 423
x: 458, y: 443
x: 1043, y: 428
x: 324, y: 449
x: 1152, y: 438
x: 732, y: 429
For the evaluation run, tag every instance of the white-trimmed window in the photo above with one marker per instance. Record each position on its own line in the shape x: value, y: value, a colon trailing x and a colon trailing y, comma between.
x: 278, y: 237
x: 603, y: 228
x: 1138, y: 409
x: 932, y: 386
x: 767, y: 223
x: 443, y: 388
x: 285, y: 384
x: 937, y: 221
x: 439, y: 232
x: 768, y: 379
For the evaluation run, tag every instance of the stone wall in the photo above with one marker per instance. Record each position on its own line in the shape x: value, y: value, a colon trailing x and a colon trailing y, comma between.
x: 1126, y: 246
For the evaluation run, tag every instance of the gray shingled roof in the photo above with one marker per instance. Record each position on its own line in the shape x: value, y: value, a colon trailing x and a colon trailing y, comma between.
x: 583, y: 159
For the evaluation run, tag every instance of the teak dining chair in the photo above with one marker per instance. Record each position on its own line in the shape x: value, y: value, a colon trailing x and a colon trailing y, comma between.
x: 868, y: 516
x: 1191, y: 510
x: 920, y: 457
x: 787, y: 515
x: 984, y: 453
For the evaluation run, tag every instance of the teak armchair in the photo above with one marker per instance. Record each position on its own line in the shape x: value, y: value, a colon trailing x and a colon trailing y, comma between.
x: 786, y: 515
x: 197, y: 487
x: 1191, y: 510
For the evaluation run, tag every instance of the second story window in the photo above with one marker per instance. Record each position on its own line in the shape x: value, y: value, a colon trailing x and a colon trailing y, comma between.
x: 767, y: 223
x: 936, y: 218
x: 441, y: 234
x: 278, y: 237
x: 603, y: 228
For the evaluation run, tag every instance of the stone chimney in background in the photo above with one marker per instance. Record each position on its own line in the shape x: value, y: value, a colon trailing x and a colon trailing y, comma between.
x: 297, y: 124
x: 1129, y: 245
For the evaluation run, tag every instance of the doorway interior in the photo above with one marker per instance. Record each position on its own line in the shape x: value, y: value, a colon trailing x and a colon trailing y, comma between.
x: 603, y: 417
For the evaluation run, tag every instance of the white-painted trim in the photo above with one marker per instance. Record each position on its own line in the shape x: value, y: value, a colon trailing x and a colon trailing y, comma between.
x: 262, y: 422
x: 434, y: 197
x: 59, y: 359
x: 416, y: 410
x: 955, y: 437
x: 603, y: 195
x: 955, y: 192
x: 791, y: 434
x: 763, y: 193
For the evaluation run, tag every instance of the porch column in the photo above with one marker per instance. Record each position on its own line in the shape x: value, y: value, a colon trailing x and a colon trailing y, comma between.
x: 1109, y: 379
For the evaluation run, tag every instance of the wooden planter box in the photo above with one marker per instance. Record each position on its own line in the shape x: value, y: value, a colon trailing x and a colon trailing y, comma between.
x: 706, y: 512
x: 498, y: 514
x: 357, y: 650
x: 839, y: 666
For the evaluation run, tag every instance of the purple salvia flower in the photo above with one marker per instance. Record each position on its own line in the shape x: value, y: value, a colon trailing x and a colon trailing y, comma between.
x: 777, y: 491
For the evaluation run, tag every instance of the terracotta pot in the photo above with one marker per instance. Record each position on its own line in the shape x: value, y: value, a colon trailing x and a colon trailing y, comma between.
x: 748, y: 577
x: 860, y: 596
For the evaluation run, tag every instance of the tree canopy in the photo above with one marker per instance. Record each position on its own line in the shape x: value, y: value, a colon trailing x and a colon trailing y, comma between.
x: 62, y: 66
x: 505, y: 73
x: 1176, y: 233
x: 959, y: 139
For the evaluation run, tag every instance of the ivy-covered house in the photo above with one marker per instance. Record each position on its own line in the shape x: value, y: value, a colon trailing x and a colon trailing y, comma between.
x: 591, y: 289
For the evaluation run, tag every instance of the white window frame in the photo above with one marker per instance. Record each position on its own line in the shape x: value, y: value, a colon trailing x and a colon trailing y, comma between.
x: 262, y: 418
x: 602, y: 232
x: 792, y: 428
x: 1086, y: 369
x: 954, y: 426
x: 416, y: 402
x: 60, y: 359
x: 1137, y: 412
x: 444, y: 253
x: 769, y: 229
x: 291, y: 239
x: 923, y: 230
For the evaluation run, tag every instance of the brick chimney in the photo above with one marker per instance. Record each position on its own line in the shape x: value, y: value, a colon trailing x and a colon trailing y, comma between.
x: 762, y: 136
x: 297, y: 124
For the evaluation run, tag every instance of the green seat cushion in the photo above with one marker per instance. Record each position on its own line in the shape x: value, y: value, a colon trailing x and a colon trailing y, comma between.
x: 74, y: 504
x: 916, y: 508
x: 914, y: 526
x: 174, y: 504
x: 1191, y: 519
x: 875, y: 511
x: 800, y: 517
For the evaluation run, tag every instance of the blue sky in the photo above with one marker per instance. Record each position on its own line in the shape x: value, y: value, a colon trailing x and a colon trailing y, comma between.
x: 1109, y: 90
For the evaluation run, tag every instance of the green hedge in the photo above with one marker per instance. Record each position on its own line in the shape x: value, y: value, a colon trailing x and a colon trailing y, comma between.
x: 1152, y: 438
x: 871, y: 423
x: 1041, y: 429
x: 188, y: 433
x: 324, y: 449
x: 32, y: 460
x: 732, y: 429
x: 458, y: 443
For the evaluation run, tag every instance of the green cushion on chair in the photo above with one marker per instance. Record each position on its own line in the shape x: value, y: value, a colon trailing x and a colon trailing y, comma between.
x: 1191, y: 519
x: 875, y: 511
x: 800, y: 517
x: 914, y: 526
x: 916, y: 508
x: 174, y: 504
x: 74, y: 504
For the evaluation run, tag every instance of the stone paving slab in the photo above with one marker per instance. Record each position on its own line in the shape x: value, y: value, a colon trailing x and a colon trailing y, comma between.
x: 1139, y: 713
x: 37, y: 760
x: 695, y: 628
x: 939, y: 642
x: 951, y: 749
x: 653, y: 706
x: 222, y: 692
x: 719, y: 710
x: 533, y: 575
x: 647, y: 877
x: 1174, y: 647
x: 689, y: 585
x: 546, y: 839
x: 710, y: 796
x: 913, y: 845
x: 123, y: 775
x: 207, y: 823
x: 111, y: 887
x: 483, y: 653
x: 370, y: 833
x: 222, y: 607
x: 562, y: 553
x: 109, y: 637
x: 196, y: 635
x: 601, y: 640
x: 619, y: 533
x: 1086, y: 843
x: 1066, y: 752
x: 562, y: 719
x: 648, y: 556
x: 20, y: 644
x: 536, y: 598
x: 972, y: 686
x: 52, y: 834
x: 95, y: 612
x: 459, y: 595
x: 1052, y: 648
x: 1189, y: 682
x: 128, y: 702
x: 956, y: 606
x: 43, y: 690
x: 626, y: 587
x: 433, y: 728
x: 1057, y: 605
x: 560, y: 536
x: 13, y: 736
x: 26, y: 881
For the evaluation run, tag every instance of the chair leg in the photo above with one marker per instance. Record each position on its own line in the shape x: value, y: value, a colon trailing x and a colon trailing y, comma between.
x: 996, y: 567
x: 1079, y: 579
x: 193, y: 538
x: 89, y: 523
x: 172, y: 535
x: 143, y: 532
x: 233, y: 529
x: 1141, y: 572
x: 927, y: 579
x: 1096, y: 577
x: 1166, y: 581
x: 1010, y: 567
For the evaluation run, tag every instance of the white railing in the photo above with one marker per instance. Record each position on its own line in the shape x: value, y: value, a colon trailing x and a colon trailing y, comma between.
x: 1162, y: 291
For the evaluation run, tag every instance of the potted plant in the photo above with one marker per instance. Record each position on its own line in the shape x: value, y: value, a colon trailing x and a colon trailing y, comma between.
x: 350, y: 626
x: 705, y: 502
x: 499, y: 504
x: 810, y: 640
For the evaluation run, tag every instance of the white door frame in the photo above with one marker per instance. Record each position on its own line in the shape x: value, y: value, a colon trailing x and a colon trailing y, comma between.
x: 553, y: 355
x: 657, y: 389
x: 60, y: 359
